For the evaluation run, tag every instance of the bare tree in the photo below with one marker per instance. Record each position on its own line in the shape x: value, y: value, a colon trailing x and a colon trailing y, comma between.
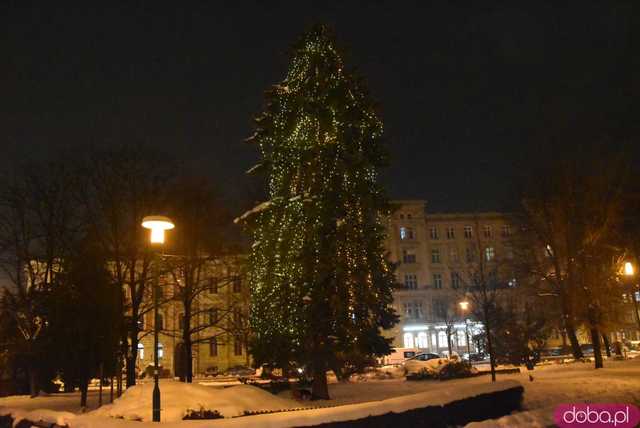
x: 205, y: 271
x: 119, y: 187
x: 38, y: 223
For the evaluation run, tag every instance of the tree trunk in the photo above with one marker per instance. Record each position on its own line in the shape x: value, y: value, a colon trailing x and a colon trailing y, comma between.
x: 573, y: 338
x: 319, y: 387
x: 492, y: 360
x: 449, y: 341
x: 597, y: 351
x: 607, y: 345
x: 132, y: 357
x: 84, y: 386
x: 33, y: 382
x: 119, y: 377
x: 188, y: 362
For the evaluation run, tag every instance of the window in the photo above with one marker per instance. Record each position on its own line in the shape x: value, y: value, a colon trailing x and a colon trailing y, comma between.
x: 439, y: 309
x: 513, y: 282
x: 408, y: 256
x: 180, y: 321
x: 489, y: 253
x: 213, y: 285
x: 237, y: 346
x: 409, y: 216
x: 455, y: 280
x: 422, y: 340
x: 468, y: 232
x: 435, y: 255
x: 453, y: 255
x: 433, y: 232
x: 487, y: 231
x: 213, y: 316
x: 237, y: 316
x: 451, y: 233
x: 470, y: 254
x: 213, y: 347
x: 462, y: 338
x: 237, y: 284
x: 506, y: 230
x: 437, y: 280
x: 508, y: 253
x: 160, y: 321
x: 401, y: 216
x: 141, y: 351
x: 141, y: 323
x: 413, y: 309
x: 442, y: 339
x: 406, y: 233
x: 408, y: 340
x: 410, y: 281
x: 160, y: 350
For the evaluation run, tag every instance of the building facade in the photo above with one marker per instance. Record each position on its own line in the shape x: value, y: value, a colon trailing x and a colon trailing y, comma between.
x: 435, y: 254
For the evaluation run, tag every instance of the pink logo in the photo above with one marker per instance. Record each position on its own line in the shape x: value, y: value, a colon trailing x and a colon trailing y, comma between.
x: 596, y: 415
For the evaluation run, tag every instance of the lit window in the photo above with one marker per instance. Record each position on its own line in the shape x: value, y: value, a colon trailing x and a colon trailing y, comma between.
x: 487, y: 231
x: 141, y: 351
x: 413, y: 310
x: 468, y: 232
x: 406, y: 233
x: 506, y: 230
x: 451, y: 233
x: 408, y: 340
x: 513, y: 282
x: 442, y: 339
x: 160, y: 350
x: 410, y: 281
x: 422, y: 340
x: 433, y: 232
x: 435, y: 255
x: 437, y: 280
x: 462, y: 338
x: 489, y: 253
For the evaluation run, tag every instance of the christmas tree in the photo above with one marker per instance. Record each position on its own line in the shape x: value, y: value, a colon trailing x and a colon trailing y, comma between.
x: 321, y: 282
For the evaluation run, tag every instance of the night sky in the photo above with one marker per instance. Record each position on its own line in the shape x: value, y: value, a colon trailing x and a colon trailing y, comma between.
x: 466, y: 92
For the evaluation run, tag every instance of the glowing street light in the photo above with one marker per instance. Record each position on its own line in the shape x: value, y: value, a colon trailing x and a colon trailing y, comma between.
x: 464, y: 306
x: 628, y: 269
x: 157, y: 224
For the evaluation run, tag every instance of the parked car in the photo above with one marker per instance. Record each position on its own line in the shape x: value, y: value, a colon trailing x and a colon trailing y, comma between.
x: 399, y: 355
x: 240, y: 371
x: 587, y: 349
x: 423, y: 360
x: 479, y: 356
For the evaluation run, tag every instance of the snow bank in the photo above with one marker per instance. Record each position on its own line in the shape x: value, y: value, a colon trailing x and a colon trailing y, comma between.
x: 50, y: 416
x: 178, y: 397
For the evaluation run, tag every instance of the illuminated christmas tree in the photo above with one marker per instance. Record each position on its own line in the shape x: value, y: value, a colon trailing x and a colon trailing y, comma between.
x: 321, y: 283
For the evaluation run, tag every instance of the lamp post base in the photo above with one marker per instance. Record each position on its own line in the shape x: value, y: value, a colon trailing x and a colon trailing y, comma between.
x: 156, y: 401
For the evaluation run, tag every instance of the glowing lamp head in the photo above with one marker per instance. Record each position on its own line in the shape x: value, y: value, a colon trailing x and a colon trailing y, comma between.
x: 157, y: 224
x: 464, y: 305
x: 628, y: 269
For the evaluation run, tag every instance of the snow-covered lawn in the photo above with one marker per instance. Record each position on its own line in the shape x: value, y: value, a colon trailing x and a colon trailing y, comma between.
x: 618, y: 382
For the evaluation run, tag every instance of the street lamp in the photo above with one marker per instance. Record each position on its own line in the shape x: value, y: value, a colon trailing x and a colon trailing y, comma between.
x: 157, y: 224
x: 464, y: 306
x: 629, y: 273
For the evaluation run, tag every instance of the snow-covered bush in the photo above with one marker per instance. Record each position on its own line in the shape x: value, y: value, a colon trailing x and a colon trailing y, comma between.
x: 441, y: 369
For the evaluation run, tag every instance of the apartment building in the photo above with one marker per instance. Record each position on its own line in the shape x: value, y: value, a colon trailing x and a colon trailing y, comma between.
x: 436, y: 254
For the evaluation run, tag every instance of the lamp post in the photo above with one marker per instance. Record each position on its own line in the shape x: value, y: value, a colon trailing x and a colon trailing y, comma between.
x: 629, y: 273
x: 464, y: 306
x: 157, y: 225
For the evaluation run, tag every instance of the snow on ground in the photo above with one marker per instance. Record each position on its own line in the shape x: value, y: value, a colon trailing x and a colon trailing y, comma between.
x: 618, y: 382
x: 177, y: 398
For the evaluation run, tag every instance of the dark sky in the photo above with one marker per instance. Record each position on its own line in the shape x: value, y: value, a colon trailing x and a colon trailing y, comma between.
x: 465, y: 92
